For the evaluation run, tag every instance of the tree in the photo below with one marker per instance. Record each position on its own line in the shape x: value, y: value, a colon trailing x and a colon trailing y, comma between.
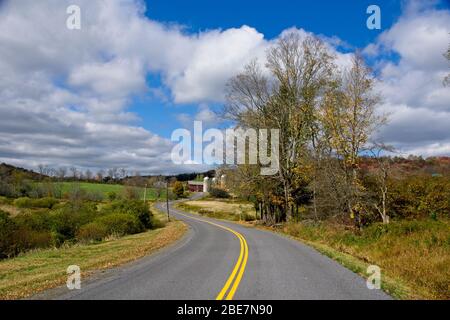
x: 137, y: 180
x: 7, y: 229
x: 382, y: 174
x: 100, y: 174
x: 113, y: 173
x: 61, y: 173
x: 43, y: 170
x: 123, y: 173
x: 52, y: 172
x: 131, y: 193
x: 158, y: 184
x: 325, y: 118
x: 178, y: 189
x: 300, y: 70
x: 74, y: 172
x: 88, y: 175
x: 350, y: 119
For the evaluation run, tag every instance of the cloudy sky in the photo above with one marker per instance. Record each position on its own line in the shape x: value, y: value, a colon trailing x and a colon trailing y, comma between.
x: 111, y: 93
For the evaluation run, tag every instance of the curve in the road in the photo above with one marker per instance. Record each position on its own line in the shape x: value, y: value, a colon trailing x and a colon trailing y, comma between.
x: 210, y: 263
x: 239, y: 268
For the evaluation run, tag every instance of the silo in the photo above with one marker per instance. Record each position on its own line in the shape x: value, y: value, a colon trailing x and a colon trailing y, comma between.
x: 206, y: 184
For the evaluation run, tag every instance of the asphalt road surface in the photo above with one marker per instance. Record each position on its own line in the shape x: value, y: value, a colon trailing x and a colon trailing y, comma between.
x: 222, y: 260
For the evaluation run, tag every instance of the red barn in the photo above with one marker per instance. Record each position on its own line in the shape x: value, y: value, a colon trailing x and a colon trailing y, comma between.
x: 195, y: 186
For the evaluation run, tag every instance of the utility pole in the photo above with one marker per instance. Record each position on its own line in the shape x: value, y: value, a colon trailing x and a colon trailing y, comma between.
x: 145, y: 193
x: 167, y: 200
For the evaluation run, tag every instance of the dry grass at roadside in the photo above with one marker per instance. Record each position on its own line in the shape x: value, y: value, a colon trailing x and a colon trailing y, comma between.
x: 35, y: 271
x: 220, y: 209
x: 13, y: 211
x: 416, y: 253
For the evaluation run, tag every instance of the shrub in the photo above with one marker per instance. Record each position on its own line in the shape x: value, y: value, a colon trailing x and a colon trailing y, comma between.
x: 7, y: 228
x: 248, y: 217
x: 134, y: 207
x: 93, y: 231
x: 112, y: 195
x: 45, y: 202
x: 156, y: 223
x: 43, y: 189
x: 178, y: 189
x: 93, y: 196
x: 26, y: 202
x: 131, y: 193
x: 7, y: 189
x: 120, y: 224
x: 420, y: 196
x: 38, y: 220
x: 15, y: 238
x: 4, y: 200
x: 219, y: 193
x: 205, y: 211
x: 26, y: 239
x: 65, y: 226
x: 65, y: 222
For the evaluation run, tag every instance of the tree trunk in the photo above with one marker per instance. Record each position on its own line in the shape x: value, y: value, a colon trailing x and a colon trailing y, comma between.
x: 315, y: 200
x: 286, y: 202
x: 384, y: 216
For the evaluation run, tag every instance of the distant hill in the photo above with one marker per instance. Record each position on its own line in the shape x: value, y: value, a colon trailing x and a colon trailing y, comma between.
x: 180, y: 177
x: 413, y: 165
x: 8, y: 171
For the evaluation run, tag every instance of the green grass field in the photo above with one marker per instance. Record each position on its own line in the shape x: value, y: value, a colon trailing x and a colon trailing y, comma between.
x: 105, y: 188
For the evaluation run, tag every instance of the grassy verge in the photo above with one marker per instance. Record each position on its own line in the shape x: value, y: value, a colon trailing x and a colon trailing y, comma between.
x: 414, y: 255
x: 35, y: 271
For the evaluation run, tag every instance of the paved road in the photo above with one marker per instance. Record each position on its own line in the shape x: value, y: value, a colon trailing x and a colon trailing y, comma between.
x: 223, y: 260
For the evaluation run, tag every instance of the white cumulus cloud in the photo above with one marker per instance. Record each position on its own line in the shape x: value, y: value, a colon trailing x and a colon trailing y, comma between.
x: 65, y: 94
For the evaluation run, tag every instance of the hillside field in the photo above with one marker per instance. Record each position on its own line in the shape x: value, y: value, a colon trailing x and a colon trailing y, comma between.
x: 105, y: 188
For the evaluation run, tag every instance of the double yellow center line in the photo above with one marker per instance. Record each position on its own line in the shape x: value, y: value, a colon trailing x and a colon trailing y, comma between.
x: 238, y: 270
x: 235, y: 277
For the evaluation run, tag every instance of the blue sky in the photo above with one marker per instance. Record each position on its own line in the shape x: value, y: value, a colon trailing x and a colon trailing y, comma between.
x: 112, y: 92
x: 345, y: 20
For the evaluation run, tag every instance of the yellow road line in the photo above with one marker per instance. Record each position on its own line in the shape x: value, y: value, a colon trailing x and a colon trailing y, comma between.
x: 233, y: 273
x: 239, y: 267
x: 241, y: 272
